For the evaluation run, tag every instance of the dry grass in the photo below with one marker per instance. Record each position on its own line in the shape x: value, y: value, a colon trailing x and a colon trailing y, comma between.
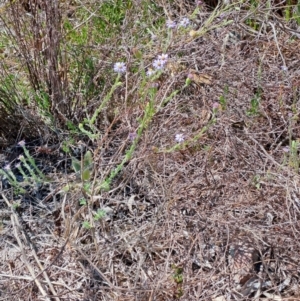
x: 173, y: 215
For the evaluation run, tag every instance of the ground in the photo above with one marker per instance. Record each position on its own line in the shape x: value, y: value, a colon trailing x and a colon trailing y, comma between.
x: 205, y: 207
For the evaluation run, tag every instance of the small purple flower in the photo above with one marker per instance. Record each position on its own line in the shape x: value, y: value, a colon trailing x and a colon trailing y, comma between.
x: 179, y: 138
x: 171, y: 24
x: 18, y: 165
x: 163, y: 57
x: 153, y: 37
x: 284, y: 68
x: 221, y: 16
x: 7, y: 167
x: 21, y: 143
x: 191, y: 76
x: 185, y: 22
x: 132, y: 136
x: 150, y: 72
x: 199, y: 3
x: 286, y: 149
x: 154, y: 85
x: 215, y: 105
x: 158, y: 64
x: 120, y: 67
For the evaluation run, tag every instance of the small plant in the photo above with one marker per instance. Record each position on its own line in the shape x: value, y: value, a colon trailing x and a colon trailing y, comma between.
x: 66, y: 145
x: 16, y: 205
x: 9, y: 175
x: 35, y: 171
x: 93, y: 133
x: 183, y: 143
x: 256, y: 181
x: 223, y: 100
x: 84, y: 167
x: 100, y: 214
x: 35, y: 174
x: 178, y: 274
x: 254, y: 106
x: 293, y: 157
x: 178, y: 278
x: 82, y: 202
x: 292, y: 11
x: 297, y: 13
x: 86, y: 225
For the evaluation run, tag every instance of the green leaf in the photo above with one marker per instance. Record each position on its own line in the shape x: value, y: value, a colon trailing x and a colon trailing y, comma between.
x: 87, y: 186
x: 105, y: 186
x: 87, y: 160
x: 100, y: 214
x: 86, y: 225
x: 86, y: 175
x: 76, y: 164
x: 138, y: 54
x: 82, y: 201
x: 66, y: 188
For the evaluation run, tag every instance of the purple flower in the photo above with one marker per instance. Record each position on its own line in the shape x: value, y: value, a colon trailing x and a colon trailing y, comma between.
x: 185, y: 22
x: 286, y: 149
x: 221, y: 16
x: 120, y: 67
x: 199, y: 2
x: 163, y: 57
x: 154, y: 85
x: 153, y: 37
x: 21, y: 143
x: 179, y: 138
x: 132, y: 136
x: 150, y: 72
x: 191, y: 76
x: 284, y: 68
x: 170, y: 24
x: 7, y: 167
x: 158, y: 64
x: 18, y: 165
x: 215, y: 105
